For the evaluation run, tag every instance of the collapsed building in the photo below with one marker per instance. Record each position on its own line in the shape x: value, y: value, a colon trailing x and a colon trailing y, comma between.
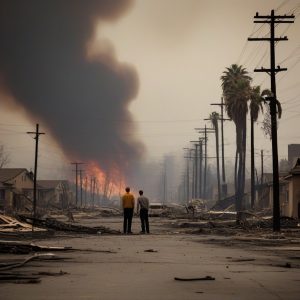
x: 16, y: 191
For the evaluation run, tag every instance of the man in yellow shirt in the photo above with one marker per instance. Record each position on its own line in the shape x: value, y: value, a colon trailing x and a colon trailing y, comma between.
x: 128, y: 207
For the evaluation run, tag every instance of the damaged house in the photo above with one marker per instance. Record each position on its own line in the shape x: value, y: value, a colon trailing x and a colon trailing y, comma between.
x: 289, y: 192
x: 54, y: 193
x: 290, y: 207
x: 16, y: 189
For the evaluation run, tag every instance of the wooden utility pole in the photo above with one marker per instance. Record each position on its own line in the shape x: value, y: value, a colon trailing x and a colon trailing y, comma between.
x: 206, y: 131
x: 76, y: 180
x: 272, y: 71
x: 188, y: 174
x: 195, y: 171
x: 196, y: 156
x: 262, y: 166
x: 222, y: 119
x: 91, y: 190
x: 94, y: 191
x: 85, y: 189
x: 198, y: 162
x: 37, y: 135
x: 200, y: 166
x: 80, y: 182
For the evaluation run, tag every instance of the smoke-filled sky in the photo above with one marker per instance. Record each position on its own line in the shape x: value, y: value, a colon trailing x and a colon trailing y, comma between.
x: 90, y: 72
x: 79, y: 97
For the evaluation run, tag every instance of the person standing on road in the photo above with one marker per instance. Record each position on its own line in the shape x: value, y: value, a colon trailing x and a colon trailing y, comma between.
x: 142, y: 209
x: 128, y: 207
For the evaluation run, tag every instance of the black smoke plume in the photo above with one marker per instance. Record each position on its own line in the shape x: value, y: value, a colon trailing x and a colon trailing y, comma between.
x: 83, y: 102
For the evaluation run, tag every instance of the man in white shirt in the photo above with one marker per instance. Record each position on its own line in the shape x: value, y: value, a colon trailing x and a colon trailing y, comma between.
x: 142, y: 209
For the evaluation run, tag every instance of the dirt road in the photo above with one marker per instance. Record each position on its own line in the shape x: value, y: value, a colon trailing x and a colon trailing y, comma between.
x: 144, y: 266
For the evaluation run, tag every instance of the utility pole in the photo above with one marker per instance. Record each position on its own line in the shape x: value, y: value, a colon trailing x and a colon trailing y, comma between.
x: 93, y: 185
x: 195, y: 170
x: 80, y: 182
x: 198, y: 174
x: 272, y: 71
x: 76, y: 179
x: 262, y: 166
x: 197, y: 183
x: 91, y: 190
x: 85, y: 189
x: 200, y: 166
x: 164, y: 183
x: 206, y: 131
x: 222, y: 119
x: 187, y: 180
x: 188, y: 174
x: 37, y: 135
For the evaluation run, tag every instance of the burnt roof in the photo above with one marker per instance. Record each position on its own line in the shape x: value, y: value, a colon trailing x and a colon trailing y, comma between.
x: 49, y: 184
x: 7, y: 174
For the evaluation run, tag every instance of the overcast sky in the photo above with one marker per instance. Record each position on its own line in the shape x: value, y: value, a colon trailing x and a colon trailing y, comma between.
x: 179, y: 49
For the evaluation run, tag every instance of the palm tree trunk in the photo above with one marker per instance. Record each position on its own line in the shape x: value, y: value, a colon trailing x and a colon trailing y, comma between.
x: 238, y: 194
x: 218, y: 163
x: 252, y: 165
x: 243, y: 176
x: 235, y: 170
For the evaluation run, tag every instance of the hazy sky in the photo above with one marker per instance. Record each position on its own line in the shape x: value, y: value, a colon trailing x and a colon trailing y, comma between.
x: 179, y: 49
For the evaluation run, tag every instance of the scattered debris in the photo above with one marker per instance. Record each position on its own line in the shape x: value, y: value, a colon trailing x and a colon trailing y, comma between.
x: 21, y: 278
x: 60, y: 273
x: 54, y: 224
x: 243, y: 259
x: 25, y: 248
x: 33, y: 257
x: 18, y: 278
x: 195, y: 279
x: 10, y: 224
x: 286, y: 265
x: 150, y: 250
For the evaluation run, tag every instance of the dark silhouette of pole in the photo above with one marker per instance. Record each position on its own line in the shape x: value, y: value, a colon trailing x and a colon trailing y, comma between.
x: 205, y: 130
x: 272, y: 71
x: 262, y: 166
x: 188, y: 174
x: 199, y: 160
x: 80, y: 182
x: 76, y: 180
x: 195, y: 170
x: 200, y: 166
x: 222, y: 119
x: 85, y: 189
x: 187, y: 180
x: 252, y: 163
x: 164, y: 183
x: 37, y: 135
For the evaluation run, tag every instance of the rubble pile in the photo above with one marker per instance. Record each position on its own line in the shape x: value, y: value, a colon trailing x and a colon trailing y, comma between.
x: 9, y: 225
x: 25, y: 248
x: 54, y: 224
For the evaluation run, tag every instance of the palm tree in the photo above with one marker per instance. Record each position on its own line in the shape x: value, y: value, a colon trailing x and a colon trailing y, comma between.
x: 256, y: 105
x: 214, y: 118
x: 236, y: 91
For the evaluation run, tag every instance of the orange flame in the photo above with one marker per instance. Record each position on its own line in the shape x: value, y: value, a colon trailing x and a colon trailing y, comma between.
x: 110, y: 183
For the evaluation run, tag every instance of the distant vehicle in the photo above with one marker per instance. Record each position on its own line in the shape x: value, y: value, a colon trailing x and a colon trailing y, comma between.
x: 156, y: 209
